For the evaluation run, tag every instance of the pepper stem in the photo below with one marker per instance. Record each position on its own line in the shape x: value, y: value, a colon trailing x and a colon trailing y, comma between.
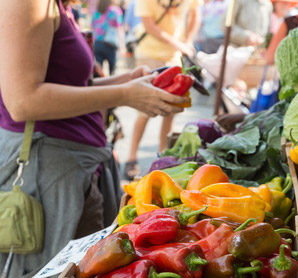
x: 295, y: 143
x: 282, y: 262
x: 128, y: 247
x: 289, y: 217
x: 182, y: 66
x: 288, y: 184
x: 285, y: 230
x: 183, y: 217
x: 256, y: 266
x: 294, y: 254
x: 242, y: 226
x: 133, y: 212
x: 154, y: 274
x: 194, y: 262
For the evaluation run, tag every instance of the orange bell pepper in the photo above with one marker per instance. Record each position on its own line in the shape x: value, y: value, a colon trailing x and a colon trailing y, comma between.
x: 238, y: 209
x: 130, y: 188
x: 226, y: 189
x: 206, y: 175
x: 168, y: 190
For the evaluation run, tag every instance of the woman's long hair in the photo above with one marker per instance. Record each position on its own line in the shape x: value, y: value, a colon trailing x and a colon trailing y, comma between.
x: 103, y: 6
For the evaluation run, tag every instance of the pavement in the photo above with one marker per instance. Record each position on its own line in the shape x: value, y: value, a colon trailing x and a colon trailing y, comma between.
x: 202, y: 107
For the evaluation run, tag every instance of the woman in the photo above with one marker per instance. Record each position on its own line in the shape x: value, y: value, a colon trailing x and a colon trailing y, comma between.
x: 106, y: 17
x: 44, y: 71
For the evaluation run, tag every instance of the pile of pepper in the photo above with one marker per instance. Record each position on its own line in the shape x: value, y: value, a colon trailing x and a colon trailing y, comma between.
x: 205, y: 226
x: 160, y: 243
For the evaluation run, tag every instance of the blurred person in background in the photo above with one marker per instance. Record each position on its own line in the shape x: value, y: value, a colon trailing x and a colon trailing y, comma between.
x: 210, y: 35
x: 107, y: 16
x: 163, y: 45
x: 72, y: 171
x: 288, y: 24
x: 252, y: 22
x: 281, y: 9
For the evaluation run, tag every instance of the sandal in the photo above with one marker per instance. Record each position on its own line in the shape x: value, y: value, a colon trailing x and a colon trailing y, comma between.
x: 131, y: 170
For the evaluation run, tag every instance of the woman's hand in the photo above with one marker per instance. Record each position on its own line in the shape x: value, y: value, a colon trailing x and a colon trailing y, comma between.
x: 139, y: 72
x: 143, y: 96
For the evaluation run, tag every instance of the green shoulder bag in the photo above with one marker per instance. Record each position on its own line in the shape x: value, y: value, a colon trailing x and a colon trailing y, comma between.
x: 21, y: 215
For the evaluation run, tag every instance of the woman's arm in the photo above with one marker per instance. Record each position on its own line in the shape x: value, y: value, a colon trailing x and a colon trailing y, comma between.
x: 24, y: 53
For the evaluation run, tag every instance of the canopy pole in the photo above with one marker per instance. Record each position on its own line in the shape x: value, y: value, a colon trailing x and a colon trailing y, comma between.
x: 228, y: 27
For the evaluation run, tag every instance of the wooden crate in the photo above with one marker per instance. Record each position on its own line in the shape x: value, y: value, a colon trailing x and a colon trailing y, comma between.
x: 294, y: 174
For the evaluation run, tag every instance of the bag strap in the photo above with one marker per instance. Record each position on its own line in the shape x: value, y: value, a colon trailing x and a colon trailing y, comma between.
x: 23, y: 158
x: 26, y: 144
x: 157, y: 21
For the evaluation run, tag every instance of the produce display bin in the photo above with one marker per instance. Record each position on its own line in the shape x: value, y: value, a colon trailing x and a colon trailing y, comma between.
x: 69, y: 271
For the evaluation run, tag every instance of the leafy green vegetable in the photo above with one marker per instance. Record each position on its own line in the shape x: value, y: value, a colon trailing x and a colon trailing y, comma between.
x: 253, y: 151
x: 286, y: 57
x: 291, y: 119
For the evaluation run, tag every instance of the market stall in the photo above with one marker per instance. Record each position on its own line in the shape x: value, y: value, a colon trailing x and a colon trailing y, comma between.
x: 215, y: 203
x: 188, y: 217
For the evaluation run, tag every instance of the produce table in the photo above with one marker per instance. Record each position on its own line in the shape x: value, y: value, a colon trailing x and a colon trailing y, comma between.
x: 69, y: 271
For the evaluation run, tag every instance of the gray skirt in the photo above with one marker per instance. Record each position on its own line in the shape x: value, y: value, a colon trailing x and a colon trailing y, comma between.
x: 59, y: 175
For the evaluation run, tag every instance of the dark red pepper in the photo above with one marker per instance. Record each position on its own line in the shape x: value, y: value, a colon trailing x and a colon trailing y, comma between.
x: 281, y: 266
x: 177, y: 258
x: 138, y: 269
x: 156, y: 230
x: 201, y: 228
x: 185, y: 236
x: 228, y: 266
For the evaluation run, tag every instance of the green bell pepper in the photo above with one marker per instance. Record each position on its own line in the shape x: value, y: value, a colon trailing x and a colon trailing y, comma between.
x: 182, y: 173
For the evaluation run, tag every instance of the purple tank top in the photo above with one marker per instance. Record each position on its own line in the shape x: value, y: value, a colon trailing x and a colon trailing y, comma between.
x: 70, y: 63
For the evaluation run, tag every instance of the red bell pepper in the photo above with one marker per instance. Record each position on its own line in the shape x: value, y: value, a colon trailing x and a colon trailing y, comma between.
x: 156, y: 230
x: 181, y: 217
x: 281, y: 266
x: 138, y: 269
x: 165, y: 78
x: 201, y: 228
x: 175, y: 80
x: 181, y: 84
x: 129, y: 229
x: 176, y: 257
x: 216, y: 244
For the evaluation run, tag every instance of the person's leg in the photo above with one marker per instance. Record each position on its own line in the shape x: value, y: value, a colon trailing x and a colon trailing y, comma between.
x: 132, y: 168
x: 112, y: 60
x: 137, y: 135
x: 166, y: 127
x: 99, y: 52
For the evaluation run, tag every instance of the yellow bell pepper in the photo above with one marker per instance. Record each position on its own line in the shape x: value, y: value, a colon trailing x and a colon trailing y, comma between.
x: 226, y: 189
x: 238, y: 209
x: 168, y: 190
x: 264, y: 192
x: 293, y: 152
